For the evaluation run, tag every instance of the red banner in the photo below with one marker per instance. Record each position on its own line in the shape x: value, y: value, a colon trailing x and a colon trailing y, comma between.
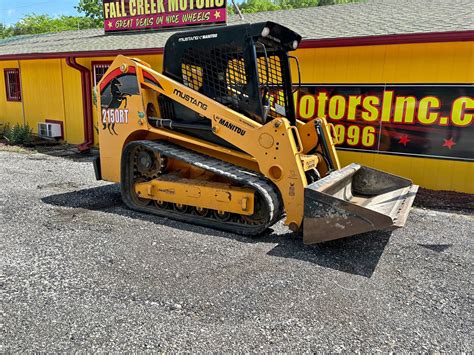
x: 137, y: 15
x: 416, y: 119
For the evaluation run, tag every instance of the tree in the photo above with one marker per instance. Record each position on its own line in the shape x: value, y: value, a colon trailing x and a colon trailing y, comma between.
x: 92, y: 9
x: 258, y: 5
x: 296, y: 4
x: 5, y: 31
x: 34, y: 24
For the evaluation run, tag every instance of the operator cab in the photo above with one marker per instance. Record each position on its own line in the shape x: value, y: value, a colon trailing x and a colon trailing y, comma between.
x: 245, y: 67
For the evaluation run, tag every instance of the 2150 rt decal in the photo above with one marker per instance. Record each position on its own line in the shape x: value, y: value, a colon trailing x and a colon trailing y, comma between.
x: 111, y: 117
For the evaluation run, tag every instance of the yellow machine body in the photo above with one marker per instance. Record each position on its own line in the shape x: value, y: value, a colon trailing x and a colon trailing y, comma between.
x: 342, y: 202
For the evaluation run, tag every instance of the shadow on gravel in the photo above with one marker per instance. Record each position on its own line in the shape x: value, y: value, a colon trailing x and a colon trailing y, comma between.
x: 357, y: 255
x: 60, y: 150
x: 107, y: 199
x: 67, y: 151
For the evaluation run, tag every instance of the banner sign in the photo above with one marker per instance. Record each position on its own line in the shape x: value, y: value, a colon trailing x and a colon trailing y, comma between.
x: 418, y: 120
x: 137, y: 15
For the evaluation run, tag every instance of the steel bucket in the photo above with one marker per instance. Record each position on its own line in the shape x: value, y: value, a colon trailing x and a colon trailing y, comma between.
x: 353, y: 200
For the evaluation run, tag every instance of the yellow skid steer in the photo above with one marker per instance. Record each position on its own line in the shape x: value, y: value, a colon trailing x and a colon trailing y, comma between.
x: 213, y: 140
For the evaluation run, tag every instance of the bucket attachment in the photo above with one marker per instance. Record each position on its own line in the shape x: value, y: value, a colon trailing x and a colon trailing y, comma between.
x: 353, y: 200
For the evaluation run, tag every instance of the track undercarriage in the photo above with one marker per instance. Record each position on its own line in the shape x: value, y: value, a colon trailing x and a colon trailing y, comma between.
x: 170, y: 181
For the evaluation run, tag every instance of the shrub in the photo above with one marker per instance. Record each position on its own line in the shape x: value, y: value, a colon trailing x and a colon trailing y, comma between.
x: 18, y: 134
x: 3, y: 129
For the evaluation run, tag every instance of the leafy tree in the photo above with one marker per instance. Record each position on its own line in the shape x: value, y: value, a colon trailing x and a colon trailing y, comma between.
x: 92, y: 9
x: 34, y: 24
x: 5, y: 31
x: 249, y: 6
x: 295, y: 4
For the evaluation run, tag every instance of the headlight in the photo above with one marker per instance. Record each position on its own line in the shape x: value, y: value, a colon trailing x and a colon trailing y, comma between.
x: 295, y: 44
x: 265, y: 32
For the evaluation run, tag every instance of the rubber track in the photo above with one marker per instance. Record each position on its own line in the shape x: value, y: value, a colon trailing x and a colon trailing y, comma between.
x: 240, y: 175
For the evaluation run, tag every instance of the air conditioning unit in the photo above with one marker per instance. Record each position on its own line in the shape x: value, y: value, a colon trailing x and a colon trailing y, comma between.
x: 49, y: 130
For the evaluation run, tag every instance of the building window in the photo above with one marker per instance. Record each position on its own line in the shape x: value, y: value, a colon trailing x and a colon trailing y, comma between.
x: 98, y: 70
x: 12, y: 84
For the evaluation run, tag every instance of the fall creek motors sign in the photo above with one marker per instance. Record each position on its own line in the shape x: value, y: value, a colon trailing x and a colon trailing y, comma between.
x: 418, y: 120
x: 137, y: 15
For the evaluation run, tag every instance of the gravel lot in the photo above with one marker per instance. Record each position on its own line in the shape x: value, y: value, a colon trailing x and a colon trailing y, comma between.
x: 81, y: 272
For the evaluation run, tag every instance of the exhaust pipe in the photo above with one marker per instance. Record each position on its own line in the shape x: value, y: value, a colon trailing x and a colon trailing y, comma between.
x: 354, y: 200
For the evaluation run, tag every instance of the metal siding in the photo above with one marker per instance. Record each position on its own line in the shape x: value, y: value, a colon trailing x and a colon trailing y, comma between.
x: 42, y: 91
x: 10, y: 111
x: 74, y: 125
x: 405, y: 63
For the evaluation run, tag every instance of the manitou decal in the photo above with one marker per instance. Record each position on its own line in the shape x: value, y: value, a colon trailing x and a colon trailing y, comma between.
x: 416, y: 119
x: 110, y: 117
x: 232, y: 127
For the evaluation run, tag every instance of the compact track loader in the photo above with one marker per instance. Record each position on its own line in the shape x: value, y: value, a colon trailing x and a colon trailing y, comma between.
x: 214, y: 141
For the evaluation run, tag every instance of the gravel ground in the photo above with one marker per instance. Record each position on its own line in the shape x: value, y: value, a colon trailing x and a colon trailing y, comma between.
x: 81, y: 272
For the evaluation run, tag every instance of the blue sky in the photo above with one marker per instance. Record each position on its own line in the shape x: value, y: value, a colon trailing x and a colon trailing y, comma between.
x: 13, y: 10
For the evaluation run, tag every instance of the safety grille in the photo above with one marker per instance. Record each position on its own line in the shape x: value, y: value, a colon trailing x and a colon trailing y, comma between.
x: 218, y: 73
x: 166, y: 107
x: 270, y: 76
